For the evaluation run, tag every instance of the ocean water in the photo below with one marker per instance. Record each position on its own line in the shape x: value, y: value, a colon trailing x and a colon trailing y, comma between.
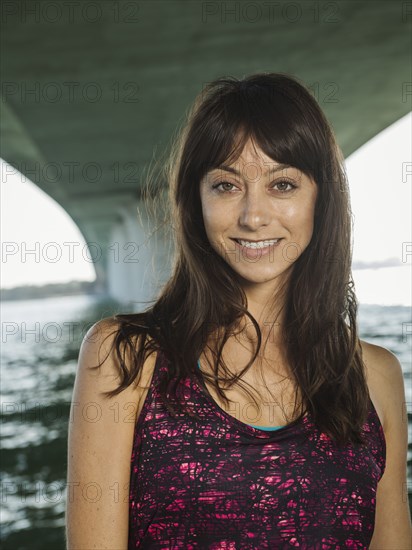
x: 39, y: 350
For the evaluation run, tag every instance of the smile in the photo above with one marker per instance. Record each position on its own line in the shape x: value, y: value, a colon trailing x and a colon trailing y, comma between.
x: 257, y: 244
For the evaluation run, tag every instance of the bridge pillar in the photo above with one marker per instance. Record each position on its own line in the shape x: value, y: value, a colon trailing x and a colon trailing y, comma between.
x: 139, y: 262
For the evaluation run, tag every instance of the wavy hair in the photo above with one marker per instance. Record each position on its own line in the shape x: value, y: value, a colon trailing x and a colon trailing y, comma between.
x: 203, y: 300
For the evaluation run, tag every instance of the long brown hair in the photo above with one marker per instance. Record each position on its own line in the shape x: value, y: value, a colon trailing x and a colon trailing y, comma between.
x: 203, y: 295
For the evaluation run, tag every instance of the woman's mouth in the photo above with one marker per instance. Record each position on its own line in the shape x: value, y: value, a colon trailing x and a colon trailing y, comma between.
x: 257, y: 244
x: 256, y: 249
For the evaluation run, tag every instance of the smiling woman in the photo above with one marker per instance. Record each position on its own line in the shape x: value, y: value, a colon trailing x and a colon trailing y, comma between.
x: 261, y: 296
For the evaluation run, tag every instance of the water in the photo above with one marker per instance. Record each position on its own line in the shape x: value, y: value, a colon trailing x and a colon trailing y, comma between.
x: 40, y: 344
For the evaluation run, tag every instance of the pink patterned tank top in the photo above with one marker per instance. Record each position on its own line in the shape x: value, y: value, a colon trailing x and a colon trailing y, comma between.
x: 220, y: 484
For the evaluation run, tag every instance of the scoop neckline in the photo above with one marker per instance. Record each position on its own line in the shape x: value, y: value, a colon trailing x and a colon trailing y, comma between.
x: 242, y: 425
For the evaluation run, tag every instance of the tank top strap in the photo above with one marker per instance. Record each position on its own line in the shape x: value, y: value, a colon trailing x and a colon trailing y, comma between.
x: 159, y: 368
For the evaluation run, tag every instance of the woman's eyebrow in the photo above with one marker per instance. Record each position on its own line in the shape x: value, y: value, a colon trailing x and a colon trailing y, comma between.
x: 271, y: 169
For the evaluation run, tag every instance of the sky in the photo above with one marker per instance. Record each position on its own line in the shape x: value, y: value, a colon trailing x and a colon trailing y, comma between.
x: 380, y: 181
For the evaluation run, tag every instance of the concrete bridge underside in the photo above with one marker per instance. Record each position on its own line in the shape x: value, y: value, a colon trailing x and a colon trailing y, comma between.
x: 92, y: 92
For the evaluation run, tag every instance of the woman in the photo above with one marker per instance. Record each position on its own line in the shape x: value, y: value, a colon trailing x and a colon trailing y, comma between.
x: 241, y: 410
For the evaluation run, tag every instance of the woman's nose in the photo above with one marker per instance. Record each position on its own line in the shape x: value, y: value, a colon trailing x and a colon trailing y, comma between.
x: 255, y: 211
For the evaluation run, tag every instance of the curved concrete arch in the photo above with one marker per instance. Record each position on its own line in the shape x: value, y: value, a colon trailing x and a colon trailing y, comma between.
x: 91, y: 93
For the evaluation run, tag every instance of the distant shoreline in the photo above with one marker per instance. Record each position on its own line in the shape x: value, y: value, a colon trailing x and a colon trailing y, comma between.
x: 72, y: 288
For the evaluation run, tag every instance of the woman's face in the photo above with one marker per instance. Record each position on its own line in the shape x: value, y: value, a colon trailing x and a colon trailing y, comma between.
x: 258, y: 216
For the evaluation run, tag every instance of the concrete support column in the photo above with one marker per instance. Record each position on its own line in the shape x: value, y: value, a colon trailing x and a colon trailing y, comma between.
x: 140, y: 258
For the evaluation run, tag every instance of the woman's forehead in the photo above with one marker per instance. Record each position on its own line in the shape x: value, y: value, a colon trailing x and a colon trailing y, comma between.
x: 266, y: 168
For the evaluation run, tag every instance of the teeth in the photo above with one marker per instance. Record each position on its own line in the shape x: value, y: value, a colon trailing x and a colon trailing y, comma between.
x: 259, y: 244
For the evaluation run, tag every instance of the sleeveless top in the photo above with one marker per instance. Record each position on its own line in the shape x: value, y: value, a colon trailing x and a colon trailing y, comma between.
x: 221, y: 484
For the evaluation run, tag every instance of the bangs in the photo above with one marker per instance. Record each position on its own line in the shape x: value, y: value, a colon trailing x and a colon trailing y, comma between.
x: 273, y: 121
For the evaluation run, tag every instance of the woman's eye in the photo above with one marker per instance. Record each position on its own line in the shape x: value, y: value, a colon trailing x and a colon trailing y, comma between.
x: 223, y: 186
x: 284, y: 185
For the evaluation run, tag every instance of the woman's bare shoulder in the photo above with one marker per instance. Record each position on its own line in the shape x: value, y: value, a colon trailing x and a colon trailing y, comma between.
x: 99, y: 342
x: 380, y: 361
x: 385, y: 380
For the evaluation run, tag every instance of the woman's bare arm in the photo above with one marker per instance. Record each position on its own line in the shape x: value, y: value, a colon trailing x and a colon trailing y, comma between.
x: 392, y: 522
x: 99, y: 449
